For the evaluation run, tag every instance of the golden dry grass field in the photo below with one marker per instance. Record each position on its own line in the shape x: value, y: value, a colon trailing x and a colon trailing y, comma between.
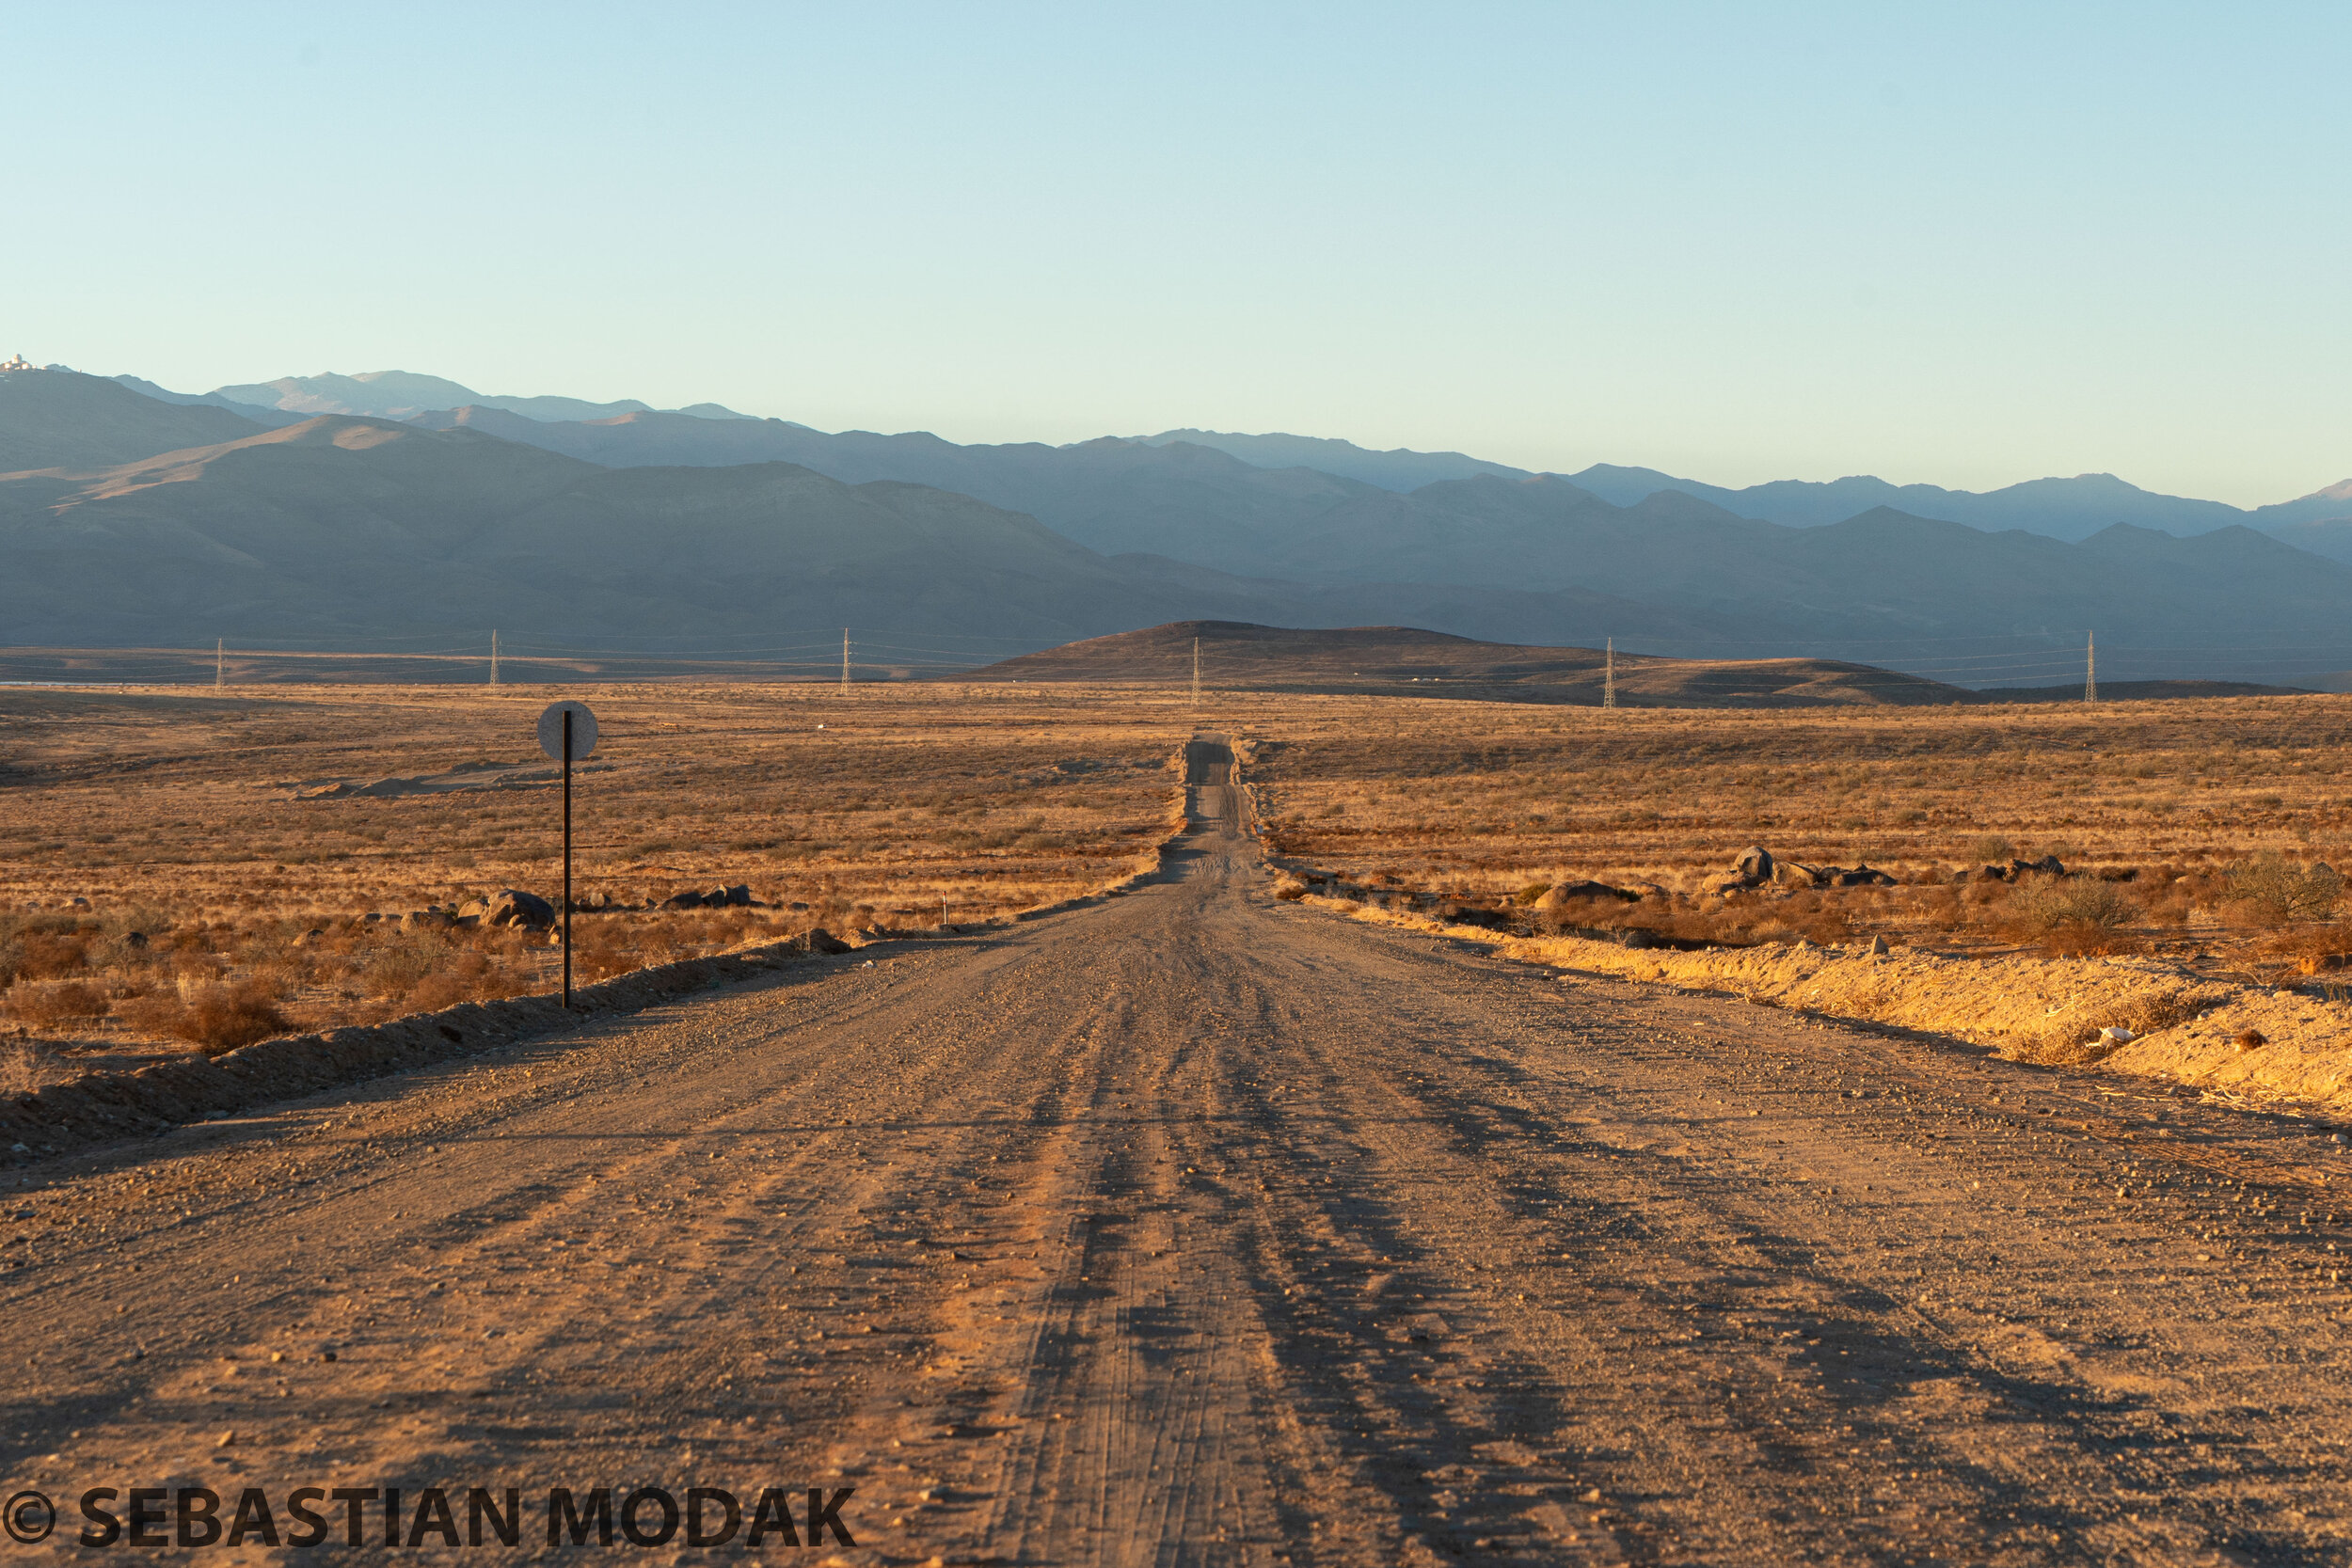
x: 2155, y: 800
x: 230, y: 848
x: 196, y: 869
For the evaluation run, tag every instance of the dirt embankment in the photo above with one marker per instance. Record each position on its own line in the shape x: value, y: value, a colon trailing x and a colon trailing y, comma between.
x: 2209, y: 1033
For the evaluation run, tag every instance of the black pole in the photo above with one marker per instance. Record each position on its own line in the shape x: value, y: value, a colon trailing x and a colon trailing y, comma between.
x: 567, y: 860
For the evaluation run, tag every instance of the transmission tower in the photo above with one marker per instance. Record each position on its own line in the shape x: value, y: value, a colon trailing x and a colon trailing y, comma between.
x: 2091, y: 667
x: 494, y: 658
x: 1609, y: 679
x: 844, y: 662
x: 221, y: 663
x: 1196, y: 672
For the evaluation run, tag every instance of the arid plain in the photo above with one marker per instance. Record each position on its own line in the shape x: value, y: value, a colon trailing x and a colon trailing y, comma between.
x: 169, y: 847
x: 297, y: 855
x: 1260, y: 1215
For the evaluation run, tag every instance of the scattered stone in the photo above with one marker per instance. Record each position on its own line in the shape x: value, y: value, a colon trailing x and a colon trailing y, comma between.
x: 1878, y: 946
x: 689, y: 900
x: 2048, y: 865
x: 514, y: 907
x: 1564, y: 892
x: 2251, y: 1039
x: 1753, y: 866
x: 2115, y: 1034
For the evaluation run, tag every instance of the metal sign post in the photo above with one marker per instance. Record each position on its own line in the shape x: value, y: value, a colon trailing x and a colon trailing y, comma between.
x: 568, y: 729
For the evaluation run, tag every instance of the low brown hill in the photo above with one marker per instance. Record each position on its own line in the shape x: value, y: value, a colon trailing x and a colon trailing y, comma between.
x: 1404, y: 660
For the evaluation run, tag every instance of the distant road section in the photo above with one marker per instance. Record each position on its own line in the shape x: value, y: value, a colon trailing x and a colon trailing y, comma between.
x: 1198, y: 1228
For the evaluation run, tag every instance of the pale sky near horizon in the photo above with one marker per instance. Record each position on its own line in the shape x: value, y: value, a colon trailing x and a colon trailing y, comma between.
x: 1963, y: 245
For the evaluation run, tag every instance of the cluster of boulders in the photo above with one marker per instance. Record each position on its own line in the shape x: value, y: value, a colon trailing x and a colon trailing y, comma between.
x: 1566, y: 893
x: 515, y: 907
x: 738, y: 897
x: 2014, y: 870
x: 1756, y: 866
x: 507, y: 906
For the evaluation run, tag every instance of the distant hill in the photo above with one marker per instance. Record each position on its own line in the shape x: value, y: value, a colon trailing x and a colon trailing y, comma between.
x: 1398, y: 468
x: 2070, y: 509
x: 1407, y: 662
x: 399, y: 394
x: 1539, y: 533
x: 2334, y: 502
x: 268, y: 418
x: 348, y: 531
x: 1188, y: 502
x: 2325, y: 536
x: 62, y: 418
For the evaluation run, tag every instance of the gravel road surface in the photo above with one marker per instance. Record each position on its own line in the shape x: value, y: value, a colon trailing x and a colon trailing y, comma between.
x: 1197, y: 1227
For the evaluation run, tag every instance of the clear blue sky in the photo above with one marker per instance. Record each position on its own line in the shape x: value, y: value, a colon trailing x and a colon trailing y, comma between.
x: 1963, y: 244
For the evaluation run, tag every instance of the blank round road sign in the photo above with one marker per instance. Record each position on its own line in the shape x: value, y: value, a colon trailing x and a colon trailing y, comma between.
x: 551, y: 730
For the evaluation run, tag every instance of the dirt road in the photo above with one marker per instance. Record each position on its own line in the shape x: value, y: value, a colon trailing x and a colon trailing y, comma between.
x: 1201, y: 1228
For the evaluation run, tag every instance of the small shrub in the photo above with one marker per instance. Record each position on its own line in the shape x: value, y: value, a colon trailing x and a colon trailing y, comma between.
x: 48, y: 955
x: 212, y: 1018
x: 1989, y: 848
x: 46, y: 1004
x: 2145, y: 1014
x: 23, y: 1067
x: 2071, y: 915
x: 1940, y: 910
x: 396, y: 969
x: 2270, y: 890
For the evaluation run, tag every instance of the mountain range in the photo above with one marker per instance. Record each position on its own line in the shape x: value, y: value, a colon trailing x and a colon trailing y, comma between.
x: 2070, y: 508
x: 132, y: 517
x: 398, y: 395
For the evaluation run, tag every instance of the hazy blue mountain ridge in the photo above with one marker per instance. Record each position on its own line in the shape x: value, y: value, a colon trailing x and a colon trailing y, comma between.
x: 1398, y: 468
x: 399, y: 395
x: 649, y: 524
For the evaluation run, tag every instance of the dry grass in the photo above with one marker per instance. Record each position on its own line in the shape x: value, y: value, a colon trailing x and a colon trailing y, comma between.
x: 184, y: 870
x: 2201, y: 824
x: 2197, y: 834
x: 222, y: 884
